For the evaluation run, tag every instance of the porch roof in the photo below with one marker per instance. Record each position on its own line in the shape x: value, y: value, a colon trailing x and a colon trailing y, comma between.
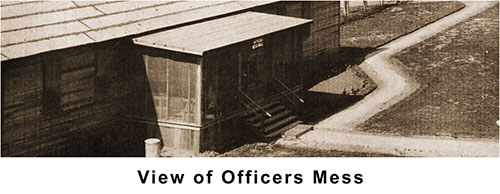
x: 198, y: 38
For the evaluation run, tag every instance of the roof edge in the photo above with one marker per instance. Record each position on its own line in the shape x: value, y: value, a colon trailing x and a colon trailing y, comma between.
x: 6, y: 57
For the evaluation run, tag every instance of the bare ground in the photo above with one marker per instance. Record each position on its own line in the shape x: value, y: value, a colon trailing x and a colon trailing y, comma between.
x: 275, y: 150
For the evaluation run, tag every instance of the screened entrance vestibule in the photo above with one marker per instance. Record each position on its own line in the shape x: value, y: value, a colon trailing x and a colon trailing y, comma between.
x: 203, y: 76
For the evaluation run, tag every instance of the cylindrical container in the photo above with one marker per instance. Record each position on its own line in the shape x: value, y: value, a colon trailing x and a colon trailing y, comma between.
x: 152, y: 147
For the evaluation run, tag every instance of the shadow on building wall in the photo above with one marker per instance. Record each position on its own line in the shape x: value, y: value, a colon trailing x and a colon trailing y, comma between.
x: 122, y: 89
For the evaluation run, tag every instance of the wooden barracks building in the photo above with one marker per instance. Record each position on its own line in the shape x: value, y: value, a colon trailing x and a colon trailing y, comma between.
x: 97, y: 78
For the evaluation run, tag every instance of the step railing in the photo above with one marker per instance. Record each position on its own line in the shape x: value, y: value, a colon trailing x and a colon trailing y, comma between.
x: 260, y: 116
x: 255, y: 103
x: 283, y: 94
x: 287, y: 88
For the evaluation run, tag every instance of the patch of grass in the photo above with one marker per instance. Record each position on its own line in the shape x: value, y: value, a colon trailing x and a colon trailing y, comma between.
x: 458, y: 73
x: 393, y: 22
x: 357, y: 12
x: 362, y: 32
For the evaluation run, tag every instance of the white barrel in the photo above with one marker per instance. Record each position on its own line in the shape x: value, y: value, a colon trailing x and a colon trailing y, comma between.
x: 152, y: 147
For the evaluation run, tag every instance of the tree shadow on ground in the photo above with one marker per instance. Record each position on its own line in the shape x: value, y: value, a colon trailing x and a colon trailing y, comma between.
x: 354, y: 55
x: 348, y: 56
x: 320, y: 105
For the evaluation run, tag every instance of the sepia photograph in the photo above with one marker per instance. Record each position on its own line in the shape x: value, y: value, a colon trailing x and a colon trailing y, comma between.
x: 407, y: 78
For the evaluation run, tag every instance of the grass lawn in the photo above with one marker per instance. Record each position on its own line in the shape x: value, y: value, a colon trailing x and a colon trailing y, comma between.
x: 392, y: 22
x: 358, y: 38
x: 363, y: 32
x: 458, y: 71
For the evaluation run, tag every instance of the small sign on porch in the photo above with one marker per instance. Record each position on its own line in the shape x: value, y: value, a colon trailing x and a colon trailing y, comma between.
x: 257, y: 43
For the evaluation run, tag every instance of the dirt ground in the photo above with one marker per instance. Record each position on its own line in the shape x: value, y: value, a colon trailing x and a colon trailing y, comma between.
x: 458, y: 74
x: 274, y: 150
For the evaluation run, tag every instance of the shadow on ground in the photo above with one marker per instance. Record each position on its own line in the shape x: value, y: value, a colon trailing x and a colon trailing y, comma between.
x: 348, y: 56
x: 354, y: 55
x: 318, y: 105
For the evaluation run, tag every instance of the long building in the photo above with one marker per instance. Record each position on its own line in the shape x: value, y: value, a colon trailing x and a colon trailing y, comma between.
x: 97, y: 78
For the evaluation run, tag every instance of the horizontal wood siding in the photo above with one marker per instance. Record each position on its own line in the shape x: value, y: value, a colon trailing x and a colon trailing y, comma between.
x: 21, y: 104
x: 324, y: 39
x: 321, y: 48
x: 69, y: 102
x: 88, y: 103
x: 269, y: 8
x: 293, y: 9
x: 323, y: 44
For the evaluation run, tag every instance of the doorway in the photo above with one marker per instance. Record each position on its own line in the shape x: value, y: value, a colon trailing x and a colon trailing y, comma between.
x: 252, y: 76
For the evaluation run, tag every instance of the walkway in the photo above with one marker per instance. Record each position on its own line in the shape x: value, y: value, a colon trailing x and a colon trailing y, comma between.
x: 339, y: 130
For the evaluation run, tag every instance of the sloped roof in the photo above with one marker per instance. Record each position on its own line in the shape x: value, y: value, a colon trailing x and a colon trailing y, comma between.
x: 213, y: 34
x: 34, y: 27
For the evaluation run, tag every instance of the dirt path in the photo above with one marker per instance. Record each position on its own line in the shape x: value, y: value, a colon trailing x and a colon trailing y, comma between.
x: 394, y: 86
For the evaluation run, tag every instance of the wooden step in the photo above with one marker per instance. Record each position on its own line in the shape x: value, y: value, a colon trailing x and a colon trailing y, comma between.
x: 281, y: 120
x: 279, y: 123
x: 272, y: 112
x: 276, y: 109
x: 273, y: 118
x: 284, y: 129
x: 265, y: 107
x: 270, y: 104
x: 297, y: 131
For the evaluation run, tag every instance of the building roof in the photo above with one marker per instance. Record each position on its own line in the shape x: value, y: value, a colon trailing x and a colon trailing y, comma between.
x: 32, y: 27
x: 213, y: 34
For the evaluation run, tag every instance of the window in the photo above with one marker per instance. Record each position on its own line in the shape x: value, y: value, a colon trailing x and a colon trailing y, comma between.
x: 68, y: 80
x: 173, y: 89
x: 182, y: 91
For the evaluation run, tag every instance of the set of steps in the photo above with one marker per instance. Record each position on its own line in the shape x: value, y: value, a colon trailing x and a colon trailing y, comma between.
x: 281, y: 120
